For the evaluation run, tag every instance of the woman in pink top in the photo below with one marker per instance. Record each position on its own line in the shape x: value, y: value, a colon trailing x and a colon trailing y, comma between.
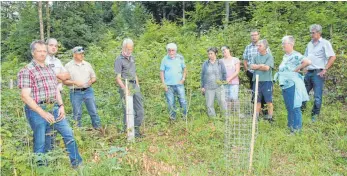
x: 232, y: 66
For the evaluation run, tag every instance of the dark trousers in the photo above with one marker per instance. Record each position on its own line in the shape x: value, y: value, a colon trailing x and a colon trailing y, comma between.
x: 137, y: 103
x: 250, y: 78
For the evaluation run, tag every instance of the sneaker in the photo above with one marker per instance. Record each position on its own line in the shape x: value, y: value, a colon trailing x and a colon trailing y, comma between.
x: 314, y: 118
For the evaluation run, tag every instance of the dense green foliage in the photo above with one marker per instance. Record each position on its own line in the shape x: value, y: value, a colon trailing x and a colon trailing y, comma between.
x: 192, y: 148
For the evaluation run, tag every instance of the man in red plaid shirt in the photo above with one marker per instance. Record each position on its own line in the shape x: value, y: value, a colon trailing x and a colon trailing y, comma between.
x: 44, y: 107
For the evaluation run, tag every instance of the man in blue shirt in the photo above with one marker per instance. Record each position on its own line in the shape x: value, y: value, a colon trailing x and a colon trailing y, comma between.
x: 172, y: 74
x: 322, y: 57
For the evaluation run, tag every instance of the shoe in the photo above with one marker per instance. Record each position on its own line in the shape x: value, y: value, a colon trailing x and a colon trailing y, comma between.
x: 314, y: 118
x: 137, y: 133
x: 76, y: 166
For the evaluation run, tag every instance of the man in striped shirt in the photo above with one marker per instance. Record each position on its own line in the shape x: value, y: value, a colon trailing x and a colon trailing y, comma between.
x: 44, y: 107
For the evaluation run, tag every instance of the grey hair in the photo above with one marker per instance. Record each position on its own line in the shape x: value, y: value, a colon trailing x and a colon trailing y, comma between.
x: 316, y: 27
x: 34, y: 43
x: 264, y: 42
x: 171, y: 46
x: 127, y: 41
x: 50, y: 39
x: 290, y: 39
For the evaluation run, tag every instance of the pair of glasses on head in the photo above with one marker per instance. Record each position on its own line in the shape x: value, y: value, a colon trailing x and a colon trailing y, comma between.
x: 80, y: 49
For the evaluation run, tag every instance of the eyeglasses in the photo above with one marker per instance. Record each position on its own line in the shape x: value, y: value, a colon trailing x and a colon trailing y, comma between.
x: 313, y: 32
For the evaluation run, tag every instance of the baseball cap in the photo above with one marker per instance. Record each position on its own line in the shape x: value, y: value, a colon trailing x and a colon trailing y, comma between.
x: 78, y: 49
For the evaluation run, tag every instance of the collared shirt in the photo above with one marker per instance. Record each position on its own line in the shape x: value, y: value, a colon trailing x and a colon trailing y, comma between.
x: 41, y: 80
x: 57, y: 66
x: 289, y: 63
x: 173, y: 69
x: 230, y: 66
x: 82, y: 72
x: 250, y: 53
x: 268, y: 60
x: 126, y: 67
x: 319, y: 53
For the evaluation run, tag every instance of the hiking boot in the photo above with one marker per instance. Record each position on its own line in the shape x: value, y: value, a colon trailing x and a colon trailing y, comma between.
x: 138, y: 133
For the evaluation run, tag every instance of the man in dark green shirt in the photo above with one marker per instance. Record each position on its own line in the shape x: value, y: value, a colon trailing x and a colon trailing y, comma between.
x: 263, y: 65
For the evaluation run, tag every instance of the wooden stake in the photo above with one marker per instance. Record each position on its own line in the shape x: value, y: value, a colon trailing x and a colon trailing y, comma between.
x: 11, y: 83
x: 129, y: 113
x: 253, y: 125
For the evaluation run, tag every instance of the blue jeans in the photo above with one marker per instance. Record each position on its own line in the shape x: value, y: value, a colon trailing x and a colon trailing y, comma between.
x: 170, y: 99
x: 87, y: 96
x: 294, y: 114
x: 41, y: 127
x: 312, y: 80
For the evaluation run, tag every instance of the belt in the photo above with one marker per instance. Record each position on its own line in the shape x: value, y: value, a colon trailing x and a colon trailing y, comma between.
x: 80, y: 89
x: 46, y: 102
x: 315, y: 70
x: 132, y: 81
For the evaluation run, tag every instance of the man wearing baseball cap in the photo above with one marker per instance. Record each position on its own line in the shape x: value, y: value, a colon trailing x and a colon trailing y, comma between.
x: 80, y: 84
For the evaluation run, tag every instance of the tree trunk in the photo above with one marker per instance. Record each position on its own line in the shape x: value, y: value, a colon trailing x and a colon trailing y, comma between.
x: 184, y: 16
x: 48, y: 20
x: 42, y: 35
x: 226, y: 13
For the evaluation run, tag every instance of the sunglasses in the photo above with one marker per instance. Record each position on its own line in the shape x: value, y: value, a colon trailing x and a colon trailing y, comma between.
x: 80, y: 49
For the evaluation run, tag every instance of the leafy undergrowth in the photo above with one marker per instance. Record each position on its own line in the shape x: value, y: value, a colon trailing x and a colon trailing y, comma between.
x: 194, y: 147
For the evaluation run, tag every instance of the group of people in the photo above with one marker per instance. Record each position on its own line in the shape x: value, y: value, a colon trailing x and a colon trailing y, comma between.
x: 42, y: 80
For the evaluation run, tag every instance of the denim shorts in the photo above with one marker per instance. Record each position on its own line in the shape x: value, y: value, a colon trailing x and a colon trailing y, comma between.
x: 264, y: 91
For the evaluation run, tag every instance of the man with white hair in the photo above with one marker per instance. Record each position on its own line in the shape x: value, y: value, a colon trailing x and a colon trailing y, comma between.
x: 322, y: 56
x: 173, y: 73
x: 124, y: 67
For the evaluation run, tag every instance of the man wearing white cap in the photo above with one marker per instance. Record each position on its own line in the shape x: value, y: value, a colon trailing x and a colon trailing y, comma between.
x: 80, y: 84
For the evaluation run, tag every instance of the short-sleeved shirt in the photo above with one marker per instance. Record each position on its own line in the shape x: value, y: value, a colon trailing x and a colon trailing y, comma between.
x: 250, y: 53
x: 126, y: 67
x: 319, y: 53
x: 82, y: 72
x: 41, y: 80
x: 57, y: 67
x: 289, y: 63
x: 230, y: 66
x: 268, y: 60
x: 173, y: 69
